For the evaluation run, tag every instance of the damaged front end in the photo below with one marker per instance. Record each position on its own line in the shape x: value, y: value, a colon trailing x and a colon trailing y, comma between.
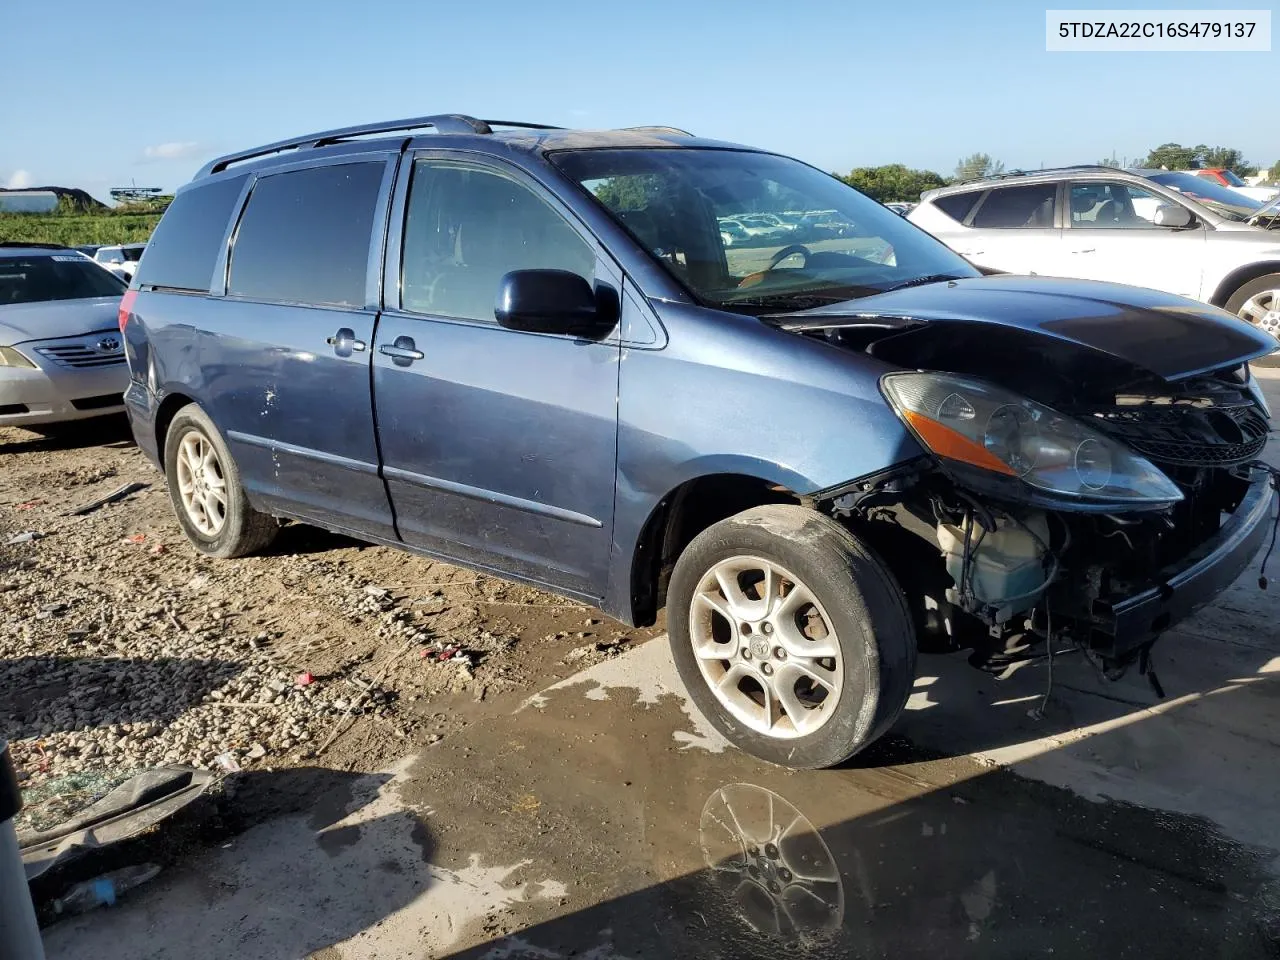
x: 1071, y: 492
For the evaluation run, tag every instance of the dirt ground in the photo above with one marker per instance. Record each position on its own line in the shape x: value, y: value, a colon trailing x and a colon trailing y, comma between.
x: 121, y: 647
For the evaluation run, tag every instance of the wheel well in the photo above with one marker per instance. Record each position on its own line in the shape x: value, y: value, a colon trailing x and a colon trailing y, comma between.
x: 169, y: 408
x: 1240, y: 276
x: 680, y: 516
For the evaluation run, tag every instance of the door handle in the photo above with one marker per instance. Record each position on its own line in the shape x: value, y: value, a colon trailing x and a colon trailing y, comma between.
x: 344, y: 342
x: 403, y: 352
x: 1086, y: 250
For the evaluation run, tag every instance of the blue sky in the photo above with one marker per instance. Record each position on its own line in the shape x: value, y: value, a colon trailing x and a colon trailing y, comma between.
x: 96, y: 100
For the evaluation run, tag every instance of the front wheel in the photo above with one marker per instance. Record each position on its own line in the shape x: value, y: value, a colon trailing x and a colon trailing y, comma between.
x: 791, y: 636
x: 204, y: 487
x: 1258, y: 302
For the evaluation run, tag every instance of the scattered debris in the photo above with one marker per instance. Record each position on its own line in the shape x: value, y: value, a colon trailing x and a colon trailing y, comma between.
x: 376, y: 591
x: 30, y: 504
x: 227, y: 762
x: 117, y: 494
x: 257, y: 752
x: 158, y: 549
x: 135, y: 538
x: 104, y: 890
x: 304, y: 679
x: 25, y: 537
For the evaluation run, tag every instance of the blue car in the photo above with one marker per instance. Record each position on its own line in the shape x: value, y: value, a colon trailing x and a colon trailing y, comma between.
x: 531, y: 351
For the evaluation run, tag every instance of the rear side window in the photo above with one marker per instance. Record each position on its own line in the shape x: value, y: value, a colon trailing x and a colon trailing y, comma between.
x: 304, y: 236
x: 71, y: 277
x: 185, y: 246
x: 1030, y: 206
x: 957, y: 205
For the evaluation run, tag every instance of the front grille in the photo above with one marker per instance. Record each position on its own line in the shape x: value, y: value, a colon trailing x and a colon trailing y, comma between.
x: 105, y: 350
x: 1214, y: 434
x: 99, y: 402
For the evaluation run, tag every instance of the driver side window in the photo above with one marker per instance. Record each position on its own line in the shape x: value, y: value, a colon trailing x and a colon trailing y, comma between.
x: 468, y: 225
x: 1113, y: 206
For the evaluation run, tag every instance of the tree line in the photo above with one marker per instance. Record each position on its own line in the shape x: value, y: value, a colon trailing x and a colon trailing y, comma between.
x: 896, y: 181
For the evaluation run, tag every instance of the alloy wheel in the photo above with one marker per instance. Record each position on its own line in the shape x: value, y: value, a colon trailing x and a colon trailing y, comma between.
x: 765, y: 646
x: 1263, y: 311
x: 202, y: 486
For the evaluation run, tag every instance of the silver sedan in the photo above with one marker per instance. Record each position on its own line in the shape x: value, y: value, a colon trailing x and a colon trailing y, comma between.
x: 61, y: 352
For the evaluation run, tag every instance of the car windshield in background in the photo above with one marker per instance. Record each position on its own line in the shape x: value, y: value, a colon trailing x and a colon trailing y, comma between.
x: 132, y: 253
x: 55, y: 277
x: 1221, y: 200
x: 753, y: 230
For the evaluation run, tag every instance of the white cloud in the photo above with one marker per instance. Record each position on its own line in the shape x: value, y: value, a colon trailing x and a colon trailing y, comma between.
x: 177, y: 150
x: 19, y: 180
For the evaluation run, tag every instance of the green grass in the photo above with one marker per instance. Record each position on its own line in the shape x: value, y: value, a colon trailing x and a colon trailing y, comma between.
x: 78, y: 228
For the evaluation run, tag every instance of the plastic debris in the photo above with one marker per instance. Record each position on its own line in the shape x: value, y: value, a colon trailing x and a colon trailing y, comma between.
x: 104, y: 890
x: 158, y: 548
x: 135, y: 538
x: 304, y: 679
x: 447, y: 654
x: 227, y: 762
x: 118, y: 494
x: 30, y: 504
x: 25, y: 537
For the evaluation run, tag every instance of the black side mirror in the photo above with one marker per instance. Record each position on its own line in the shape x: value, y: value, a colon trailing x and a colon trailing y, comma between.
x: 555, y: 301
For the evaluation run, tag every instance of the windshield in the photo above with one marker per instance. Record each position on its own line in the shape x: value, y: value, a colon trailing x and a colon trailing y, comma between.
x: 1221, y: 200
x: 56, y: 277
x: 752, y: 230
x: 1232, y: 179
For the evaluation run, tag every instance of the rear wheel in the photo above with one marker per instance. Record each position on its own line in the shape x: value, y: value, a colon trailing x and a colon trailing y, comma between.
x: 204, y: 487
x: 792, y: 638
x: 1258, y: 302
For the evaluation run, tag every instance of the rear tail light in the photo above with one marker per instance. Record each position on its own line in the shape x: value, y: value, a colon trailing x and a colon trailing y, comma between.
x: 126, y: 307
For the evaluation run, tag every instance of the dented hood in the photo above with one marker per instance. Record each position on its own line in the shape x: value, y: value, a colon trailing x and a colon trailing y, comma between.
x: 1171, y: 337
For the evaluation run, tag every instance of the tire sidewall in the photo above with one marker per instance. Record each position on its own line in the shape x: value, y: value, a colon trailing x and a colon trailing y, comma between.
x: 838, y: 580
x: 193, y: 419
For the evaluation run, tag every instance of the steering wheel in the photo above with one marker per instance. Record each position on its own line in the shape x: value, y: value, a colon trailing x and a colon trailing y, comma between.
x: 790, y: 250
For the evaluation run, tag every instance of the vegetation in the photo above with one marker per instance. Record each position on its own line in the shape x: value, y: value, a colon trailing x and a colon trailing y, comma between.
x: 893, y: 181
x: 73, y: 223
x: 1175, y: 156
x: 978, y: 165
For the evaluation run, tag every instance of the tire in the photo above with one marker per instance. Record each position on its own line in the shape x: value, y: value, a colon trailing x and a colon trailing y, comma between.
x: 861, y: 614
x: 233, y: 530
x: 1244, y: 294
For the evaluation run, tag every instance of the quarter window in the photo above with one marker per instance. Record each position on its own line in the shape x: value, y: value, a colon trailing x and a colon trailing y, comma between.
x: 957, y: 205
x: 1028, y: 207
x: 305, y: 234
x: 466, y: 227
x: 185, y: 246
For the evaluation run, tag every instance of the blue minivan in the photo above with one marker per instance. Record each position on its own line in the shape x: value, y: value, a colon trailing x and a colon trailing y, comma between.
x: 532, y: 351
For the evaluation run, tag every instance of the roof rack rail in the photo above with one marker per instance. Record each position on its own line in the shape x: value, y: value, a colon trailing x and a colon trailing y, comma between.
x: 443, y: 122
x: 656, y: 129
x: 1005, y: 174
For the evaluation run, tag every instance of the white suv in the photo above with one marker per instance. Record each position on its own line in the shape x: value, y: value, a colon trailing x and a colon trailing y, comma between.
x: 121, y: 260
x: 1166, y: 230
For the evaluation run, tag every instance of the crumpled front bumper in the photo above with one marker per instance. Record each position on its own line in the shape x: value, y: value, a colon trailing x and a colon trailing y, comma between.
x: 1122, y: 624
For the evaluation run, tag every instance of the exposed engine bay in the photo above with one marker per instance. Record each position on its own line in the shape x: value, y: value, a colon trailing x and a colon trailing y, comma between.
x: 1073, y: 497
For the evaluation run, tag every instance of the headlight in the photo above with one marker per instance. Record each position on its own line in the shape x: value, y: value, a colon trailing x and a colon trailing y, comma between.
x: 10, y: 357
x: 972, y: 422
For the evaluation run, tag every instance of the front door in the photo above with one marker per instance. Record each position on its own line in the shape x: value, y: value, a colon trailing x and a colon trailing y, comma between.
x: 286, y: 354
x: 1112, y: 235
x: 1013, y: 229
x: 498, y: 446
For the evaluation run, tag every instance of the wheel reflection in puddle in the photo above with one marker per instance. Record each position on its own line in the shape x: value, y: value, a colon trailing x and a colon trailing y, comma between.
x: 770, y: 862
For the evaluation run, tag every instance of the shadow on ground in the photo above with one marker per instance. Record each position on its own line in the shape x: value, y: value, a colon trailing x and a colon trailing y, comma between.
x: 99, y: 431
x: 40, y: 695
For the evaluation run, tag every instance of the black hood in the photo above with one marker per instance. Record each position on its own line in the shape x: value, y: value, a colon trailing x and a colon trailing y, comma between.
x: 1077, y: 320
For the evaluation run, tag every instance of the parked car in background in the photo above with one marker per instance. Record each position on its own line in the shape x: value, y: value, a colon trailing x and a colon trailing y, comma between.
x: 1165, y: 230
x: 1227, y: 178
x: 61, y: 352
x: 528, y: 351
x: 122, y: 259
x: 731, y: 232
x: 89, y: 249
x: 900, y: 208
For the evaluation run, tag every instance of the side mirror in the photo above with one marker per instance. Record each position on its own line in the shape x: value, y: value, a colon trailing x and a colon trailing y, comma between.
x: 1173, y: 216
x: 555, y: 301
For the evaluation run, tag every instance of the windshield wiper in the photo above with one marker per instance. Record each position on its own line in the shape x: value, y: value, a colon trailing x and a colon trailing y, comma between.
x: 922, y: 281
